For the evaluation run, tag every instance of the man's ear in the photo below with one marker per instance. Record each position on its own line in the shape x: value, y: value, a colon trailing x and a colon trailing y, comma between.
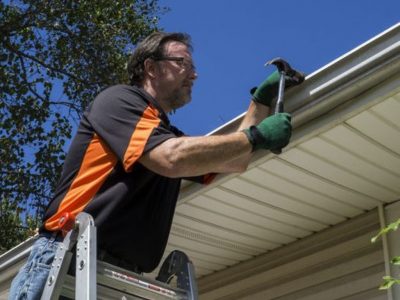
x: 150, y: 68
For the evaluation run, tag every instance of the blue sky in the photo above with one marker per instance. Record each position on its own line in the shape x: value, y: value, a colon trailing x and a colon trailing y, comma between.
x: 234, y: 38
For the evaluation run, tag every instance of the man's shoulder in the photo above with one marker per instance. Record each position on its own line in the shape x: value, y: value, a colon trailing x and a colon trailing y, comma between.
x: 121, y: 89
x: 121, y: 93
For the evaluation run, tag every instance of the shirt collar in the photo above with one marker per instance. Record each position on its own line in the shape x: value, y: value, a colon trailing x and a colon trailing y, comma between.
x: 154, y: 102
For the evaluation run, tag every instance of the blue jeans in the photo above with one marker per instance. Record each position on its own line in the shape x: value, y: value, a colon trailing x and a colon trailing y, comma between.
x: 29, y: 282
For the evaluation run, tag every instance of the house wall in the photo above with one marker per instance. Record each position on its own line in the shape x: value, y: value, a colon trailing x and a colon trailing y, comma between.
x: 337, y: 263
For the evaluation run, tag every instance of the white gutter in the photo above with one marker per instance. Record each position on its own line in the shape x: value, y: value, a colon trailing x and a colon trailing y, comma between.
x: 342, y: 88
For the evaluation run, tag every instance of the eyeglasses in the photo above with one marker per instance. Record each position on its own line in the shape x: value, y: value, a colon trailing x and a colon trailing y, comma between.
x: 181, y: 61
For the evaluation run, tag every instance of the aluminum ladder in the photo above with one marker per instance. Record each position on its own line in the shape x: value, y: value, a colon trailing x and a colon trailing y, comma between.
x: 100, y: 280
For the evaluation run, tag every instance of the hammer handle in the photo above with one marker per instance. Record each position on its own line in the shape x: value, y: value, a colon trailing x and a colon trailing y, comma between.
x: 279, y: 103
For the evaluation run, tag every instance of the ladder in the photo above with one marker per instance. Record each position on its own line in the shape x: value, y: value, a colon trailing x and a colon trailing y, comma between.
x: 100, y: 280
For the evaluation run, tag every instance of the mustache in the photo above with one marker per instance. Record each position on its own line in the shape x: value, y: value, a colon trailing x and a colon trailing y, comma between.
x: 188, y: 84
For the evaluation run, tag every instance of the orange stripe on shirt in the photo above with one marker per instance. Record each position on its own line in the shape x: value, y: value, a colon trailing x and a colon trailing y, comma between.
x: 98, y: 162
x: 141, y: 134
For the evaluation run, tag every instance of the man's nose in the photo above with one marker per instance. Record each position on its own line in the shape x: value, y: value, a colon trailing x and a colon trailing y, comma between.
x: 193, y: 75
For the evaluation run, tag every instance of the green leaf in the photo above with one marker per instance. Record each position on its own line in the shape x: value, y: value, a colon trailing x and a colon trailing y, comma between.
x: 391, y: 227
x: 396, y: 260
x: 388, y: 281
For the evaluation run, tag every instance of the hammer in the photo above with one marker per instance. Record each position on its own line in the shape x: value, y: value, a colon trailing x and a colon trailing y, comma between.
x: 285, y: 71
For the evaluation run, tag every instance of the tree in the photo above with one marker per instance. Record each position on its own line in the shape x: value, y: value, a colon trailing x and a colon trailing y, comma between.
x: 55, y: 57
x: 12, y: 230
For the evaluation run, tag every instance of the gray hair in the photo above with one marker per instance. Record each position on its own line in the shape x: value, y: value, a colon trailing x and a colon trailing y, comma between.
x: 152, y: 47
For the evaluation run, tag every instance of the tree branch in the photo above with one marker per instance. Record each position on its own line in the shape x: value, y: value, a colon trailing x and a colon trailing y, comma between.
x: 20, y: 53
x: 29, y: 83
x: 70, y: 105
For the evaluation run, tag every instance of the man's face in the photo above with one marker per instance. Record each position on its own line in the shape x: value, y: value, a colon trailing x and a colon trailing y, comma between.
x: 177, y: 74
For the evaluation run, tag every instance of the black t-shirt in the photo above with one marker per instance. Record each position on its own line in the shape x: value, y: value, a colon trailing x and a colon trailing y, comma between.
x: 132, y: 206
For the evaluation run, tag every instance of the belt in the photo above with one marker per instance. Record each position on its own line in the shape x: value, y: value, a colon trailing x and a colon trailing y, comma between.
x: 107, y: 257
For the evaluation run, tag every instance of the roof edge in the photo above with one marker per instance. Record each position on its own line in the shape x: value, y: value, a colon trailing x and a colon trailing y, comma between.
x: 336, y: 84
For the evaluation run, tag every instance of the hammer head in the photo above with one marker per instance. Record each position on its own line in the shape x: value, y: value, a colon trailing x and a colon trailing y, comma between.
x: 283, y: 66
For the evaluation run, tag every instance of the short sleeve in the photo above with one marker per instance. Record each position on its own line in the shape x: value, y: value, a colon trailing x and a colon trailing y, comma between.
x: 128, y: 123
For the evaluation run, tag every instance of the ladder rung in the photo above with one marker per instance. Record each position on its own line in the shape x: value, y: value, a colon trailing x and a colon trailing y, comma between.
x: 116, y: 283
x: 120, y: 279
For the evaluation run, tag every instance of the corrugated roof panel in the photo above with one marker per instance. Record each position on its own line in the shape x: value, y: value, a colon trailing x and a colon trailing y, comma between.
x: 280, y: 221
x: 379, y: 128
x: 218, y: 261
x: 340, y: 173
x: 216, y: 241
x: 331, y: 171
x: 389, y: 110
x: 269, y: 227
x: 273, y: 197
x: 298, y: 192
x: 218, y: 231
x: 316, y: 183
x: 213, y: 248
x: 334, y: 153
x: 356, y: 143
x: 243, y: 226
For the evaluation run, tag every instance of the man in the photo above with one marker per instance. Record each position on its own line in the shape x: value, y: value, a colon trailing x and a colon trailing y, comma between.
x: 125, y: 164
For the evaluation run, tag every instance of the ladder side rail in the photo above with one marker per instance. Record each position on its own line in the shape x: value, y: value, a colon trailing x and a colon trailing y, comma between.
x: 178, y: 265
x: 192, y: 284
x: 86, y: 259
x: 59, y: 268
x: 83, y: 235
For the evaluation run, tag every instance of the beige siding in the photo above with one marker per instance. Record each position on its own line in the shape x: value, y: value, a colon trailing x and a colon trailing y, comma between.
x: 337, y: 263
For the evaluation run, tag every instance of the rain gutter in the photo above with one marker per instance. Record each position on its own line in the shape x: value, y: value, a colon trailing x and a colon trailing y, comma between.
x: 341, y: 89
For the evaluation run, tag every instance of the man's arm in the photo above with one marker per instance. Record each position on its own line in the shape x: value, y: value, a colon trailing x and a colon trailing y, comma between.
x: 254, y: 115
x: 193, y: 156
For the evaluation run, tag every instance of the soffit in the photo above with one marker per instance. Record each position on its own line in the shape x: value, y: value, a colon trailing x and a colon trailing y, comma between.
x: 344, y: 160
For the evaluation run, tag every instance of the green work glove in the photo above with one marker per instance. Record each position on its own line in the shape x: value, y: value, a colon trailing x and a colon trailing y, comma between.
x: 268, y: 89
x: 272, y: 133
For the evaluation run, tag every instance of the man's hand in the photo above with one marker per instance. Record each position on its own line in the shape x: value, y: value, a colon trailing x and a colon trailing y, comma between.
x: 272, y: 133
x: 268, y: 89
